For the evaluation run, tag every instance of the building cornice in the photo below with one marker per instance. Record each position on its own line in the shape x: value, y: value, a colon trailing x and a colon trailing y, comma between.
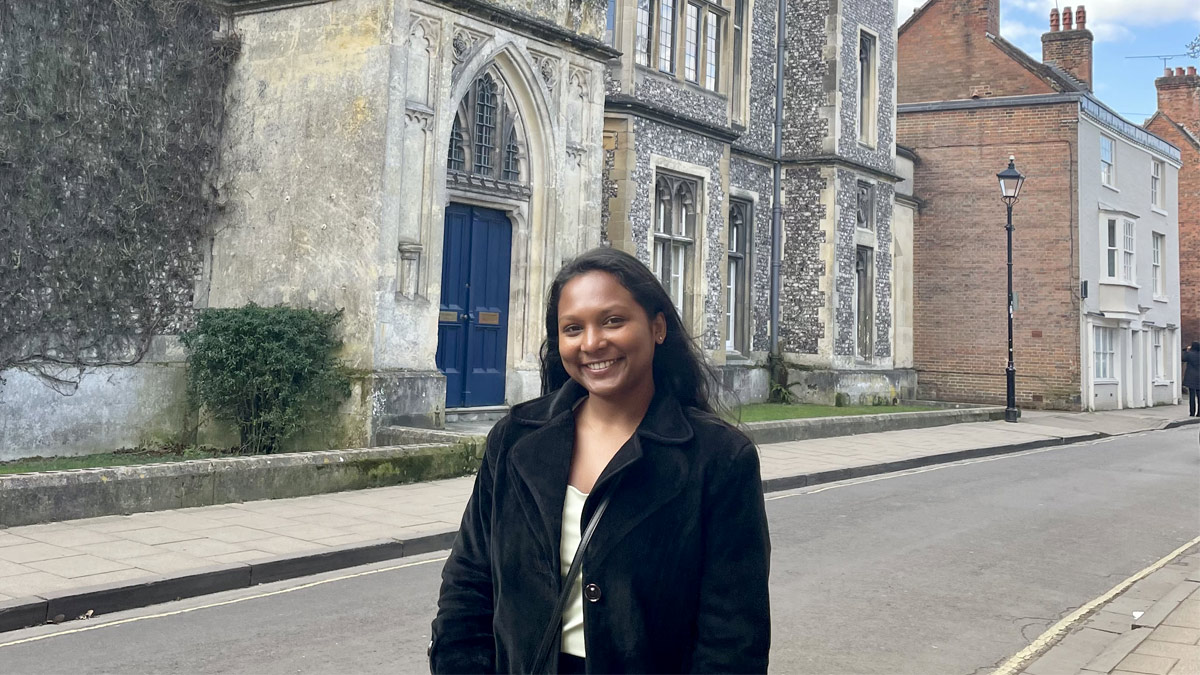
x: 823, y: 161
x: 623, y: 103
x: 526, y: 24
x: 1088, y: 105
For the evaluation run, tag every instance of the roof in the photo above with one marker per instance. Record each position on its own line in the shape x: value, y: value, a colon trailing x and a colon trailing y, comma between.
x: 1056, y: 77
x: 1191, y: 137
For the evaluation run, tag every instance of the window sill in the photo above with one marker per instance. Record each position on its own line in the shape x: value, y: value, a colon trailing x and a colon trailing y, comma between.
x: 1159, y: 211
x: 868, y: 146
x: 1159, y: 298
x: 1163, y: 383
x: 1105, y: 380
x: 1119, y: 282
x: 1110, y: 187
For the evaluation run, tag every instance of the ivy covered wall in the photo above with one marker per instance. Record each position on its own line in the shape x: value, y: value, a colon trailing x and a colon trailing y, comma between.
x: 110, y: 117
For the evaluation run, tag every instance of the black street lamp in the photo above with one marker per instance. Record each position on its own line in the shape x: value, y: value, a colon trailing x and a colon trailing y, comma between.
x: 1011, y: 181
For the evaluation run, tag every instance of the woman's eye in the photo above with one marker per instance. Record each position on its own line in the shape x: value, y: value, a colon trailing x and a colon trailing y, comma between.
x: 614, y: 321
x: 569, y: 330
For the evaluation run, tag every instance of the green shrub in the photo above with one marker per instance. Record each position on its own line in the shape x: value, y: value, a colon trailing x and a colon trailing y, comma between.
x: 272, y: 371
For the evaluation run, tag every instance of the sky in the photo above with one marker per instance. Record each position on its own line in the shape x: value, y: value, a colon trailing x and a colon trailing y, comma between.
x: 1122, y: 29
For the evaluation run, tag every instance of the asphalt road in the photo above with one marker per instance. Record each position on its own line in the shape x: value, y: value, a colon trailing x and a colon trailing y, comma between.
x: 948, y: 569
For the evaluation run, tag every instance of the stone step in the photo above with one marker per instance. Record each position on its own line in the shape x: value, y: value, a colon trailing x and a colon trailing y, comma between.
x: 489, y: 413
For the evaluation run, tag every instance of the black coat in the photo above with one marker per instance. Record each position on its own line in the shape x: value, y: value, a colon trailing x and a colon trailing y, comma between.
x: 1191, y: 376
x: 680, y: 558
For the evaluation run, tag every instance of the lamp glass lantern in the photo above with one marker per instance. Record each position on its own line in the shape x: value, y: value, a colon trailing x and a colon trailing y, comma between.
x: 1011, y: 181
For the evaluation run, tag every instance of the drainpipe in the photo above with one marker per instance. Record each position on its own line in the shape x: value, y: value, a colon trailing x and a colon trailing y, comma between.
x: 777, y: 176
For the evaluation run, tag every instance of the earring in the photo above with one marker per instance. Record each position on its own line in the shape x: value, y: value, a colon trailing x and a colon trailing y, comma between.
x: 661, y: 338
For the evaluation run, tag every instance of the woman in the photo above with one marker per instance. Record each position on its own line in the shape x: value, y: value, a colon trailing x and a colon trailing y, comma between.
x: 1191, y: 378
x: 675, y: 577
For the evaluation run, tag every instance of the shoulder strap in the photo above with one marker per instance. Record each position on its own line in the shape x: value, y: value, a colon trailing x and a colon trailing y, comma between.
x: 555, y: 624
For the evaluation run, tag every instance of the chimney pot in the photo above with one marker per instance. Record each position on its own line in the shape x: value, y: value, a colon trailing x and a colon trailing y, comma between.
x: 1167, y: 72
x: 1054, y: 20
x: 1191, y: 70
x: 1080, y: 17
x: 1066, y: 18
x: 1179, y: 72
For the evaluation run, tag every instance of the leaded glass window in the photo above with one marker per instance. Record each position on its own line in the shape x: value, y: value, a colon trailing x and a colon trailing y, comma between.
x: 486, y: 139
x: 485, y: 124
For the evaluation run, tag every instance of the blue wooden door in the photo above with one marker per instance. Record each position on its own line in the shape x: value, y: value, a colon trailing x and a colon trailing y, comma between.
x: 473, y: 323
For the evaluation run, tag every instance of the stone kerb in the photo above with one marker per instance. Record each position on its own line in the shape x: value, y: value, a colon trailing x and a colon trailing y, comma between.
x: 824, y: 427
x: 31, y: 498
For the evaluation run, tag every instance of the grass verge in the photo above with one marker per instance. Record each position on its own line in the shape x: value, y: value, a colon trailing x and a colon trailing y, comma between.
x: 119, y: 458
x: 770, y: 412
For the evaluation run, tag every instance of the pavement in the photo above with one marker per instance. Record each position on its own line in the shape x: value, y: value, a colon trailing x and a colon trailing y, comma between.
x: 83, y: 568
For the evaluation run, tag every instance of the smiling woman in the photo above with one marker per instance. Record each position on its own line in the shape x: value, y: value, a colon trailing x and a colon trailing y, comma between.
x: 673, y: 577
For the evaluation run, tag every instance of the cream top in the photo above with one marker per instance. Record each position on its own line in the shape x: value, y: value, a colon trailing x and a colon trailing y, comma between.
x: 572, y: 624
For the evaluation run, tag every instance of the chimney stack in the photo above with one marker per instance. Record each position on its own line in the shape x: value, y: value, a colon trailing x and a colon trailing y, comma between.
x: 1179, y: 97
x: 1071, y: 47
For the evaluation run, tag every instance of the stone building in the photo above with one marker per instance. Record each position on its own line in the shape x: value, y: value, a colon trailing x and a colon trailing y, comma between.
x: 428, y: 165
x: 690, y: 154
x: 424, y: 166
x: 1178, y: 121
x: 1095, y: 246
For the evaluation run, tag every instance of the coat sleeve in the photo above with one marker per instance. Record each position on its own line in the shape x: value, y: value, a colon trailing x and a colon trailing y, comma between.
x: 462, y: 636
x: 734, y: 619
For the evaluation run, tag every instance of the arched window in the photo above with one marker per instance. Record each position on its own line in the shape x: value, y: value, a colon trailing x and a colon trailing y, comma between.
x: 487, y: 146
x: 674, y: 234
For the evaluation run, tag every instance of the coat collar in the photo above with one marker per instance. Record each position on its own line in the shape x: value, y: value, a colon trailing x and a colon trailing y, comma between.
x: 665, y: 421
x: 541, y: 459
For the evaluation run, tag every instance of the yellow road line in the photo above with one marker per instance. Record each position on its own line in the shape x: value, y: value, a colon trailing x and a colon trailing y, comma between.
x: 1014, y: 664
x: 216, y: 604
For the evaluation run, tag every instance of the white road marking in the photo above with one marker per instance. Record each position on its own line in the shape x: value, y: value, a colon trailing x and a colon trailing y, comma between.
x: 216, y: 604
x: 1018, y: 660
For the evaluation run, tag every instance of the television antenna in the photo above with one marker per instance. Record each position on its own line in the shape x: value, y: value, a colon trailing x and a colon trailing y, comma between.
x: 1165, y: 57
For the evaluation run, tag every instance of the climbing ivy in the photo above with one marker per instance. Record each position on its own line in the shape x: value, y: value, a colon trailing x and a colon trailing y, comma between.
x: 110, y: 118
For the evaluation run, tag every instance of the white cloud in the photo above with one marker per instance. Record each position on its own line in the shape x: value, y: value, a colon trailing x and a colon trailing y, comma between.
x: 1107, y: 31
x: 1017, y: 32
x: 906, y: 8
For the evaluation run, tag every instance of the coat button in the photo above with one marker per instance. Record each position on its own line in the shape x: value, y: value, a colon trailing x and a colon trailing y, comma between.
x: 591, y: 592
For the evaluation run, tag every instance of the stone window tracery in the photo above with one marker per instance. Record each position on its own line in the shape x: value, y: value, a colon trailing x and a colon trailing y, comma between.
x: 674, y: 235
x: 487, y: 140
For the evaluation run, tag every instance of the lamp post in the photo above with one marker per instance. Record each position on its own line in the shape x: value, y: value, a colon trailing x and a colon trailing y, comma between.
x: 1011, y: 181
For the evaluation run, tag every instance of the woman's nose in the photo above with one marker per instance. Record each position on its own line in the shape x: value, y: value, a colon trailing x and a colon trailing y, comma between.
x: 593, y: 339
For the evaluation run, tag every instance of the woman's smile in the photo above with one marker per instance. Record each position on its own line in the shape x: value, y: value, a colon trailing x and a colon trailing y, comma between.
x: 605, y: 338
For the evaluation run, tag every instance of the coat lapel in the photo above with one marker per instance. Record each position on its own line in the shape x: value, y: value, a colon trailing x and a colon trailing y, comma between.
x: 541, y: 461
x: 649, y: 471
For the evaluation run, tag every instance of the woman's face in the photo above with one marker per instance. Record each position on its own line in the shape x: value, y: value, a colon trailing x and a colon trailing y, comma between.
x: 605, y: 339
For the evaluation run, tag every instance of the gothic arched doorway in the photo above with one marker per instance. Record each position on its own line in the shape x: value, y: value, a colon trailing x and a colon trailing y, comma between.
x: 485, y: 171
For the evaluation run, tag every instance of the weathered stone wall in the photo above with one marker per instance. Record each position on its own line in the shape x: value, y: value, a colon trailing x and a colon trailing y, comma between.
x: 807, y: 109
x: 879, y: 18
x: 113, y: 407
x: 801, y: 298
x: 759, y: 136
x: 306, y: 118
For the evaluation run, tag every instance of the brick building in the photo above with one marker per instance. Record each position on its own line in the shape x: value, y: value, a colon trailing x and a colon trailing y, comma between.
x: 1178, y: 121
x: 1095, y: 242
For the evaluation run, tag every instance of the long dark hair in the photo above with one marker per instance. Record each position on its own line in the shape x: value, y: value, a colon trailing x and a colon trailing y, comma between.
x: 679, y: 366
